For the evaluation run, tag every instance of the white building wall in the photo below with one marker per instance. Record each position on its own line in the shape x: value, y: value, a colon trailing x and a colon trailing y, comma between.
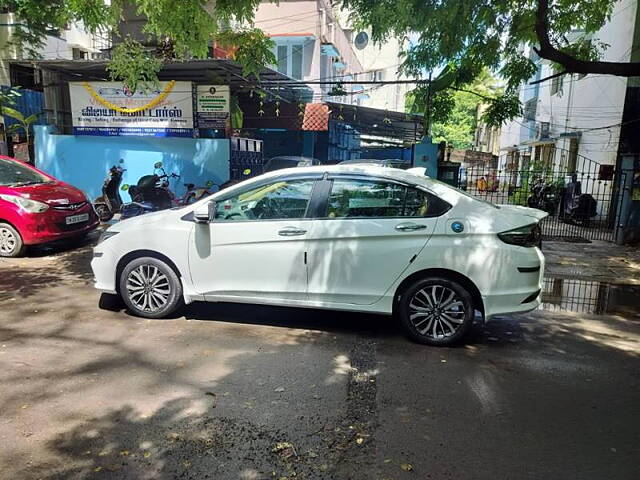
x: 583, y: 104
x: 382, y: 62
x: 316, y: 21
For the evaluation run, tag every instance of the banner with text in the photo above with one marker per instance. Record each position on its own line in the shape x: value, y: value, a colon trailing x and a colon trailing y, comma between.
x: 99, y: 108
x: 212, y: 106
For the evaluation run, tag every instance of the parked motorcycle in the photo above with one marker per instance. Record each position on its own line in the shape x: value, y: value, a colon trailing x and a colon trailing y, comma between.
x: 193, y: 193
x: 110, y: 202
x: 150, y: 194
x: 580, y: 210
x: 544, y: 197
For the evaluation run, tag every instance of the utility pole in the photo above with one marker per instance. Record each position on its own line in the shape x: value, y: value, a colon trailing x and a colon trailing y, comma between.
x: 427, y: 113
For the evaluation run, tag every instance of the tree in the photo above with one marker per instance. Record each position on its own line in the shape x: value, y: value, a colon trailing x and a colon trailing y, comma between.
x: 453, y: 112
x: 8, y: 97
x: 24, y: 123
x: 185, y: 28
x: 470, y: 35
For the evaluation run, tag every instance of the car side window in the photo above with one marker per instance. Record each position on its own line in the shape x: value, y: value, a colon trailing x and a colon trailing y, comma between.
x: 351, y: 198
x: 285, y: 199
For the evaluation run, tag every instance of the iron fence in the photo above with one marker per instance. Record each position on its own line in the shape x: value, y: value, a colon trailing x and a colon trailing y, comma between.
x: 583, y: 198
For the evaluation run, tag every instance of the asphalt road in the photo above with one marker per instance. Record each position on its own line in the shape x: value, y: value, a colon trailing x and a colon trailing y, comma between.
x: 249, y: 392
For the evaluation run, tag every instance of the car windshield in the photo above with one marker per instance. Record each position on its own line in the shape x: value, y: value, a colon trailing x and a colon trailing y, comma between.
x: 13, y: 174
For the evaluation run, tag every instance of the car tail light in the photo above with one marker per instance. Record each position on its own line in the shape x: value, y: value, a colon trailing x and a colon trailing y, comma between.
x: 527, y: 236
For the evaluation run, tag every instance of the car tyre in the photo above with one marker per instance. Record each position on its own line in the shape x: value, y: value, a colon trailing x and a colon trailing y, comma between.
x: 436, y: 311
x: 150, y: 288
x: 11, y: 244
x: 104, y: 212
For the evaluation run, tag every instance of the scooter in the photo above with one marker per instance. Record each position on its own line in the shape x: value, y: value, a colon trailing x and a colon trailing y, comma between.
x: 193, y: 193
x: 150, y: 194
x: 543, y: 197
x: 580, y: 210
x: 110, y: 202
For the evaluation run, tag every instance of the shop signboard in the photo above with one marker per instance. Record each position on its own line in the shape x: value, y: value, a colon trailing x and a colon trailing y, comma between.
x: 212, y: 106
x: 111, y: 109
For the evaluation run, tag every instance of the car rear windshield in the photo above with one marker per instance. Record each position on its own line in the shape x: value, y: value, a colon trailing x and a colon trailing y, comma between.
x: 486, y: 202
x: 13, y: 174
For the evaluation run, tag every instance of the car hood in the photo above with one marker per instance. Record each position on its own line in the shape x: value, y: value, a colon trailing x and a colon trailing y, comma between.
x: 54, y: 193
x: 147, y: 218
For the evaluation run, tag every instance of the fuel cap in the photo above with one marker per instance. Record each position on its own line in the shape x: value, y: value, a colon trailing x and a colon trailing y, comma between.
x: 457, y: 227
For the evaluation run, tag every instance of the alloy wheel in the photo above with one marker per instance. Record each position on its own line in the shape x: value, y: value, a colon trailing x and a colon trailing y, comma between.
x: 436, y: 312
x: 8, y: 241
x: 148, y: 288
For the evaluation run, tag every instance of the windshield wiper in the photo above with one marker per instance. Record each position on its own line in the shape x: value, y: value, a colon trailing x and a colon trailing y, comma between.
x: 22, y: 184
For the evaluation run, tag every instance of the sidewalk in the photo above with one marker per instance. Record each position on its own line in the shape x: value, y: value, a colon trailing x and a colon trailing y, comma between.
x: 599, y: 261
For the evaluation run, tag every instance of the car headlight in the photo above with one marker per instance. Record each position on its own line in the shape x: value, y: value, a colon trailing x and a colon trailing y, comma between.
x: 106, y: 235
x: 527, y: 236
x: 28, y: 205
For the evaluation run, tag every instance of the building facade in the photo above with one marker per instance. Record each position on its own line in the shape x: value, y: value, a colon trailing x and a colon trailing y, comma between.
x: 311, y: 46
x: 486, y: 138
x: 73, y: 43
x: 573, y: 118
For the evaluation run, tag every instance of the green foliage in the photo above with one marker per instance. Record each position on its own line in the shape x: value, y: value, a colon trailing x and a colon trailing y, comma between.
x: 237, y: 115
x: 470, y: 36
x: 24, y: 122
x: 458, y: 126
x: 8, y: 98
x: 38, y: 18
x: 451, y: 112
x: 253, y: 49
x: 501, y: 109
x: 185, y: 27
x: 133, y: 66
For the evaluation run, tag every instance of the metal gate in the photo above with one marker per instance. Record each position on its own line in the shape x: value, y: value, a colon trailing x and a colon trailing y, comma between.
x: 512, y: 179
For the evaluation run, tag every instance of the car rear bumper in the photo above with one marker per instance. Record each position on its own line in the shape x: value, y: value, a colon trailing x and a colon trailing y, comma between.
x: 523, y: 291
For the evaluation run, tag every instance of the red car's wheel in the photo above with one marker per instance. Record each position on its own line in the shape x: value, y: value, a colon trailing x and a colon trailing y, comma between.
x: 11, y: 244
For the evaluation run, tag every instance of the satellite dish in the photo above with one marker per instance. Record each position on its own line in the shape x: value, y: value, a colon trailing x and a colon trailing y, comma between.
x: 362, y: 40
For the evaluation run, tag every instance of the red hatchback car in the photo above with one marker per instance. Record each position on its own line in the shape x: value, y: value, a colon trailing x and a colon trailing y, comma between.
x: 36, y: 208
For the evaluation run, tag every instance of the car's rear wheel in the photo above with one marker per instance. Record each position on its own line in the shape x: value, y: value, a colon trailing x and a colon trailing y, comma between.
x: 150, y: 288
x: 11, y: 244
x: 436, y: 311
x: 104, y: 212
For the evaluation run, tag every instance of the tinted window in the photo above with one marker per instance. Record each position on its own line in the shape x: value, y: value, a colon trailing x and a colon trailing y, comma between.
x: 367, y: 198
x: 13, y: 173
x: 280, y: 200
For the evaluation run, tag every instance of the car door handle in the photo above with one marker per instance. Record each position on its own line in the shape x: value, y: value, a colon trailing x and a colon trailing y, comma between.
x: 291, y: 232
x: 409, y: 227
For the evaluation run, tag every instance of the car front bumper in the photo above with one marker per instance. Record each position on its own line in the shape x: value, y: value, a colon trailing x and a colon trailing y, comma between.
x: 50, y: 226
x: 104, y: 264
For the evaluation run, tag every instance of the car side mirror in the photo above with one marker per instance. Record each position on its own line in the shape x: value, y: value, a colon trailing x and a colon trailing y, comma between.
x: 205, y: 213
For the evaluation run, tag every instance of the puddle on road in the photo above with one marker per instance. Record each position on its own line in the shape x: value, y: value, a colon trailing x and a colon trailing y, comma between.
x: 584, y: 296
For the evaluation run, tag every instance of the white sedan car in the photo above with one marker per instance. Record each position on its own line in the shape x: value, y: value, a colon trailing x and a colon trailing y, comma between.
x: 361, y: 238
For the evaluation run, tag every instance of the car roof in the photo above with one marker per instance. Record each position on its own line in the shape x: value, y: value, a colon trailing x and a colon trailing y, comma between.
x: 292, y: 158
x: 368, y: 169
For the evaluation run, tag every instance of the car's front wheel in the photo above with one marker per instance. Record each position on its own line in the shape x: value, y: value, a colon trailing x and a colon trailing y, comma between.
x: 11, y: 244
x: 150, y: 288
x: 436, y: 311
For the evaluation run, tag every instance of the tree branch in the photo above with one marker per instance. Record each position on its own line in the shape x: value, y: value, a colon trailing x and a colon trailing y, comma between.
x: 571, y: 64
x: 559, y: 74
